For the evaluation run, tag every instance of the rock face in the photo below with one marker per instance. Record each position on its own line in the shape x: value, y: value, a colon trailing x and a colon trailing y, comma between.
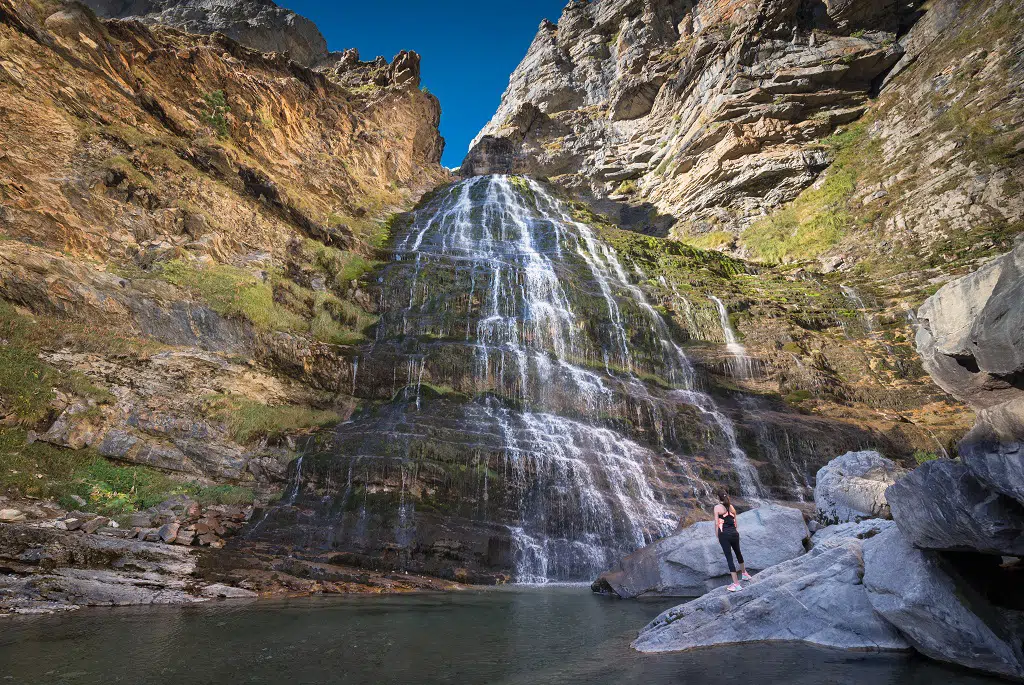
x: 942, y: 506
x: 971, y: 343
x: 710, y: 111
x: 939, y: 614
x: 852, y: 487
x: 261, y: 25
x: 690, y: 562
x: 818, y: 598
x: 970, y: 333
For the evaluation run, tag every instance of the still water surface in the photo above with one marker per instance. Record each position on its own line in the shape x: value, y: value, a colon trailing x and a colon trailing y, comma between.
x: 514, y: 636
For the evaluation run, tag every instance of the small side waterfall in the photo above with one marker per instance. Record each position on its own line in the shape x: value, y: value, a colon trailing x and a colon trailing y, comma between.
x: 853, y: 296
x: 742, y: 365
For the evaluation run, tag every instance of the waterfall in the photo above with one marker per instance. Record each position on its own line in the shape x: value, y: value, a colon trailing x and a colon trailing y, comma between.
x: 742, y: 366
x: 853, y: 296
x: 541, y: 393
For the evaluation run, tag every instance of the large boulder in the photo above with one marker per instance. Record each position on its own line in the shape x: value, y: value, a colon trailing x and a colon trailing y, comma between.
x: 941, y: 616
x: 941, y: 505
x: 817, y: 598
x: 852, y: 487
x: 994, y: 449
x: 970, y: 338
x: 690, y: 562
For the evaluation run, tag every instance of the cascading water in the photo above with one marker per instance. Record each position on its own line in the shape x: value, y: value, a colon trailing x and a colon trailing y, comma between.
x: 742, y: 366
x: 525, y: 388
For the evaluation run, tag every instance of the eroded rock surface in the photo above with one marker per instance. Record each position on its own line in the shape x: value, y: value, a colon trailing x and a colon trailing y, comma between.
x: 852, y: 487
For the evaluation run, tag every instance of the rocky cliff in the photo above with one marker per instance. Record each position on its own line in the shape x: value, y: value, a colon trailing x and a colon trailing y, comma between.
x: 186, y: 226
x: 261, y: 25
x: 717, y: 122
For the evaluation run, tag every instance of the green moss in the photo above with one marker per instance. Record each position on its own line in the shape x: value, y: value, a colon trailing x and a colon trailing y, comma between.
x: 339, y: 266
x: 922, y: 456
x: 714, y: 240
x: 626, y: 188
x: 250, y: 421
x: 233, y: 292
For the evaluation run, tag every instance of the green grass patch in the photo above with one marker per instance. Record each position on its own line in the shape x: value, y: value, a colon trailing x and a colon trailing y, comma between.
x: 43, y: 470
x: 626, y: 188
x: 819, y: 217
x: 234, y: 292
x: 215, y: 112
x: 27, y: 383
x: 250, y: 421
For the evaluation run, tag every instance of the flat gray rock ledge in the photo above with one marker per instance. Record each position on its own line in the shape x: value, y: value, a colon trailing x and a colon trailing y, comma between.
x: 818, y: 598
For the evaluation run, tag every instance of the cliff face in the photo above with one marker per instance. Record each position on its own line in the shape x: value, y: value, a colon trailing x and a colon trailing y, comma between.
x: 186, y: 225
x: 705, y: 119
x: 261, y: 25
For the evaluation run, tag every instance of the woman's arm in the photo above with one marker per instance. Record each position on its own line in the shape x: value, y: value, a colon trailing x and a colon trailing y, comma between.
x: 718, y: 519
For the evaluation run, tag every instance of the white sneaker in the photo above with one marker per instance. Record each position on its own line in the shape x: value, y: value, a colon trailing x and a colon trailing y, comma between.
x: 735, y: 587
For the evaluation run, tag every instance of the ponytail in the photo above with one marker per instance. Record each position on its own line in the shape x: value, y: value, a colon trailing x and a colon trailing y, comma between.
x: 723, y: 497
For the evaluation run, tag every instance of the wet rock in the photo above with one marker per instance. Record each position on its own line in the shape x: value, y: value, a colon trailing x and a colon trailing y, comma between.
x: 817, y: 598
x: 935, y: 610
x: 941, y: 505
x: 690, y: 562
x: 852, y: 487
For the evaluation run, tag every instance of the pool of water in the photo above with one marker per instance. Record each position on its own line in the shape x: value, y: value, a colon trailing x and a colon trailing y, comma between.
x: 527, y: 636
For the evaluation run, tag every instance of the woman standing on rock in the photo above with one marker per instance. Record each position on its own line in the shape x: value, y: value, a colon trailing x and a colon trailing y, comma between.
x: 729, y: 538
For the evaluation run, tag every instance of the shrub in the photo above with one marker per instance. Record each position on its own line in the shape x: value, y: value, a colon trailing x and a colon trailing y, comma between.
x: 215, y: 112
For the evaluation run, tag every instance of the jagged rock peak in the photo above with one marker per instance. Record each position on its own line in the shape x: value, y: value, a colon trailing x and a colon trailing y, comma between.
x: 704, y: 109
x: 259, y: 24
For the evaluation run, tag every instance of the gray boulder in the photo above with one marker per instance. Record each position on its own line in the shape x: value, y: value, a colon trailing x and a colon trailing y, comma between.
x: 994, y: 449
x: 941, y: 505
x: 939, y: 615
x: 690, y: 562
x: 852, y: 487
x: 817, y: 598
x: 970, y: 334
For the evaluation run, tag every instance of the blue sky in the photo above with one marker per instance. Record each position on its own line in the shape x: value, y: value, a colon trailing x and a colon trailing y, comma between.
x: 469, y: 49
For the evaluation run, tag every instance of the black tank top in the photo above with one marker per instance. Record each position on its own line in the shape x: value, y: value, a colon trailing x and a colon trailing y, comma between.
x: 728, y: 521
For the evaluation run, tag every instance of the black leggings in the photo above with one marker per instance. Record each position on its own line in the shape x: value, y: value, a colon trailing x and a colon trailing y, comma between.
x: 730, y: 541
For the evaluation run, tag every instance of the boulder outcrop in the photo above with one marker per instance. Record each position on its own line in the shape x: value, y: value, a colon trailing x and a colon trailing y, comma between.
x: 936, y: 611
x: 852, y: 487
x: 818, y: 598
x: 941, y: 505
x: 690, y: 562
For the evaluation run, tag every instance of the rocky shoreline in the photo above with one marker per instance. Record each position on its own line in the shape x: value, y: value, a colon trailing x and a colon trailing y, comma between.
x: 178, y: 552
